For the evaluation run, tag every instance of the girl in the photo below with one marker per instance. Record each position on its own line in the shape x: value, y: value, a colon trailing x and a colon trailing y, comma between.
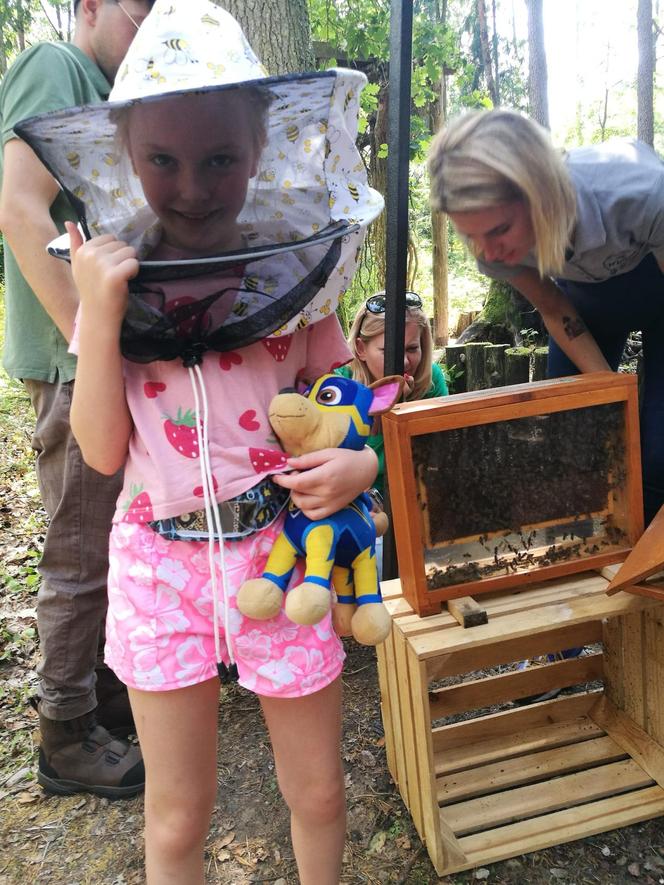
x: 366, y: 339
x: 197, y: 431
x: 581, y: 235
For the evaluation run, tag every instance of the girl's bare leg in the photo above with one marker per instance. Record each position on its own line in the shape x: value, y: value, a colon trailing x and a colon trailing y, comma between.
x: 306, y: 739
x: 178, y: 735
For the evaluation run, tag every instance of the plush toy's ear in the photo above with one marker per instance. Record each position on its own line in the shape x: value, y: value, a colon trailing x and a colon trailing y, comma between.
x: 387, y: 392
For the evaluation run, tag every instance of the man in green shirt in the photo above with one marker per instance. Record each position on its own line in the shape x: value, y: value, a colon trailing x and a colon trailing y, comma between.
x: 76, y: 693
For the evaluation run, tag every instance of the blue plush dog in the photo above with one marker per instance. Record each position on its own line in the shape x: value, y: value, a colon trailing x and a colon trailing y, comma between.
x: 339, y: 550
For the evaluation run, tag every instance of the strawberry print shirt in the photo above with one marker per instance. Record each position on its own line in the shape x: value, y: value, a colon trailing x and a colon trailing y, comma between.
x: 162, y: 475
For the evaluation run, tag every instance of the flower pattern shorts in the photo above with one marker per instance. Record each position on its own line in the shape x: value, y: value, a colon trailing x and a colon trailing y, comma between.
x: 159, y: 630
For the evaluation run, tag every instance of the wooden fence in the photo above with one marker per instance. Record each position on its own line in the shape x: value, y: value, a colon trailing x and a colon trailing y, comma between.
x: 480, y: 365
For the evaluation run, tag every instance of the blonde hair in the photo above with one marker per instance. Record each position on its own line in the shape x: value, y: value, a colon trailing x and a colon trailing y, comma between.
x: 368, y: 325
x: 483, y: 159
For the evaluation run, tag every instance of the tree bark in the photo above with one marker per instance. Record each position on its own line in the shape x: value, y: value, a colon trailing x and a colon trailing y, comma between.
x: 537, y: 70
x: 487, y: 62
x: 279, y: 32
x: 645, y: 125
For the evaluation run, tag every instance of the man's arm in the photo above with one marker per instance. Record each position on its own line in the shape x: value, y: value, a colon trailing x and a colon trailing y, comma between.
x: 28, y: 191
x: 562, y: 321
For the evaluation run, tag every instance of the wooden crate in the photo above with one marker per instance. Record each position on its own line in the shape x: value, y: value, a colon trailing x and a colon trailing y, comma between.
x: 485, y: 779
x: 501, y: 488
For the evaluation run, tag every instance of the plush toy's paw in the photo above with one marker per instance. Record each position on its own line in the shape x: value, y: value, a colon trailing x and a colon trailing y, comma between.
x: 371, y: 623
x: 381, y: 521
x: 308, y: 603
x: 260, y: 599
x: 342, y: 616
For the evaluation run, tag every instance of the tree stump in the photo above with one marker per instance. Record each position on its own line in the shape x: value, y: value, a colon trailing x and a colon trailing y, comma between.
x: 494, y: 369
x: 476, y: 365
x: 455, y: 360
x: 540, y: 357
x: 517, y: 365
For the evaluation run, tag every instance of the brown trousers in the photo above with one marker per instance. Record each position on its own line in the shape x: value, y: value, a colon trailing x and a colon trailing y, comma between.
x: 72, y: 600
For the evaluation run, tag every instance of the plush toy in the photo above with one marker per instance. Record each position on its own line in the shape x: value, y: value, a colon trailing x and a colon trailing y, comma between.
x: 341, y: 549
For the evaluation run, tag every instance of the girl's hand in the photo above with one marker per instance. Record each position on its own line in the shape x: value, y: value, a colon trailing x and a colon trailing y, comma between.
x: 330, y: 479
x: 409, y: 383
x: 102, y: 268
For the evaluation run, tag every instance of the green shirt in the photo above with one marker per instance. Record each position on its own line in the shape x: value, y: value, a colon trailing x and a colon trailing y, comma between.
x: 438, y: 388
x: 46, y: 77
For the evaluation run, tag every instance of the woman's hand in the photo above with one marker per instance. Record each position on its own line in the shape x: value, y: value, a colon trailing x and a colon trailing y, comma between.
x: 408, y: 385
x: 328, y: 480
x: 102, y: 268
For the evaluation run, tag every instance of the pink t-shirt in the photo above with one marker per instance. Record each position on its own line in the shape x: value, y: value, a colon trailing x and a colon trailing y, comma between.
x: 162, y: 474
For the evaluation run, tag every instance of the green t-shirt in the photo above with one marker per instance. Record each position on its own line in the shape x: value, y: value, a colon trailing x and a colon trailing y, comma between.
x: 46, y: 77
x: 438, y: 388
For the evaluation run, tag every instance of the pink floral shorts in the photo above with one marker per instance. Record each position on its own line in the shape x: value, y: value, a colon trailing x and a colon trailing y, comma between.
x: 159, y: 629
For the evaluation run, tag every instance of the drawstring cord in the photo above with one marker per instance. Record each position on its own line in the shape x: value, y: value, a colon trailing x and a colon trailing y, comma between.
x: 213, y: 517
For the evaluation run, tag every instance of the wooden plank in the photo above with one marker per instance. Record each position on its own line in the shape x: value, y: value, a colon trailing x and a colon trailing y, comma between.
x: 558, y: 828
x: 383, y: 665
x: 478, y: 693
x: 542, y: 737
x: 634, y: 667
x: 653, y: 660
x: 546, y: 593
x: 510, y: 649
x: 508, y: 723
x: 412, y: 763
x: 646, y: 558
x: 634, y: 740
x: 528, y: 624
x: 467, y: 612
x: 521, y: 803
x: 441, y: 842
x: 398, y: 770
x: 530, y: 768
x: 391, y: 589
x: 612, y: 641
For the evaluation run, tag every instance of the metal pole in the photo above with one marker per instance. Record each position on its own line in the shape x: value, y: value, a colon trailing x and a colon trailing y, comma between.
x: 396, y: 252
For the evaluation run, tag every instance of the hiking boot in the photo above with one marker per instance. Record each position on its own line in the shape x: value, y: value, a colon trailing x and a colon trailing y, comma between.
x: 113, y: 709
x: 79, y: 756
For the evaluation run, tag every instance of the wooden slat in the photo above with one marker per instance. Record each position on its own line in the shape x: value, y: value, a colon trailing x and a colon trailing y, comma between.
x: 529, y: 768
x: 634, y: 667
x: 558, y: 828
x: 646, y: 558
x: 634, y: 740
x: 490, y: 690
x: 383, y: 665
x: 412, y: 763
x: 398, y: 770
x: 508, y: 723
x: 542, y: 737
x: 441, y: 842
x: 612, y: 642
x: 508, y: 648
x: 653, y: 652
x: 521, y: 803
x: 467, y: 612
x: 546, y: 593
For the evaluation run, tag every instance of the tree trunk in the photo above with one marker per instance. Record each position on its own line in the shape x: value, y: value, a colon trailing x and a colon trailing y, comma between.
x: 645, y: 125
x: 378, y: 179
x: 279, y: 32
x: 439, y: 242
x: 487, y: 62
x: 537, y: 71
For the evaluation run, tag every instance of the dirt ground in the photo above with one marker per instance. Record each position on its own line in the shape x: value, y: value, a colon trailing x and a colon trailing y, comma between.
x: 82, y: 839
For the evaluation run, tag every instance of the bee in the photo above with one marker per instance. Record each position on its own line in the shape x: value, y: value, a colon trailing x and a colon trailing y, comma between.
x: 322, y: 128
x: 117, y: 194
x: 326, y: 308
x: 303, y: 322
x: 282, y: 155
x: 79, y: 192
x: 94, y: 174
x: 288, y: 200
x: 335, y: 162
x: 110, y: 159
x: 240, y: 309
x: 216, y: 69
x: 269, y: 285
x: 209, y: 20
x: 307, y: 145
x: 137, y: 203
x: 153, y: 73
x: 74, y: 159
x: 292, y: 133
x: 354, y: 192
x: 267, y: 175
x: 315, y: 228
x: 252, y: 282
x: 177, y: 50
x: 350, y: 95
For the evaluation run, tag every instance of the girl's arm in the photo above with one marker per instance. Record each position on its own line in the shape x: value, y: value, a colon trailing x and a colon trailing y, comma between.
x: 330, y: 480
x: 100, y: 419
x: 563, y: 322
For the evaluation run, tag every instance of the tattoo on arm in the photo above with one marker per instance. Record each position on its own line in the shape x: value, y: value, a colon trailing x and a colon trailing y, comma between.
x: 574, y: 326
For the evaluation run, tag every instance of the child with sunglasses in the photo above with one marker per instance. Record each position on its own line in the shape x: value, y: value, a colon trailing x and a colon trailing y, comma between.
x: 424, y: 379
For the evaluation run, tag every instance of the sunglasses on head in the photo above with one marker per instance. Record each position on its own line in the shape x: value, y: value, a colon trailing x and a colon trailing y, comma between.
x: 376, y: 304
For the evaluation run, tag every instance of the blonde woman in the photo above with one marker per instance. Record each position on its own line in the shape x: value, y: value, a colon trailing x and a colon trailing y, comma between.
x: 423, y: 378
x: 580, y: 235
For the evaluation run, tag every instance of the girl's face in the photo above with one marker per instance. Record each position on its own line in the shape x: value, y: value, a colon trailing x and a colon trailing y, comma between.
x: 372, y: 352
x: 503, y: 233
x: 194, y: 158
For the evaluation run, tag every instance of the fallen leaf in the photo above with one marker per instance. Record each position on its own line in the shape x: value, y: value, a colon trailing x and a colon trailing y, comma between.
x: 226, y: 840
x: 224, y: 855
x: 377, y: 842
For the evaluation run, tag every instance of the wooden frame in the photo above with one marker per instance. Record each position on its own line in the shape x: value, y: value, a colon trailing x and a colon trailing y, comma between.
x: 409, y: 421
